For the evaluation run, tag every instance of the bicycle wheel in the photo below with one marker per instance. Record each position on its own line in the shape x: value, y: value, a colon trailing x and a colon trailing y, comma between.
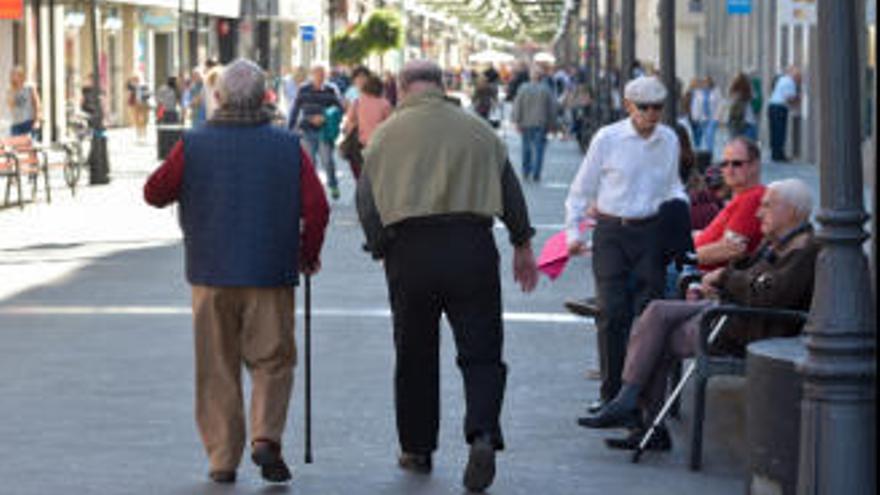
x: 73, y: 166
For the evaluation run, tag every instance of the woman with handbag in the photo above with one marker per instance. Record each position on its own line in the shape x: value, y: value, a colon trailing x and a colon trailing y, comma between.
x: 362, y: 119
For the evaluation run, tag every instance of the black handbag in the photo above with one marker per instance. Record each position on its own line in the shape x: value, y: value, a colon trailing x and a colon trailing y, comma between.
x: 351, y: 146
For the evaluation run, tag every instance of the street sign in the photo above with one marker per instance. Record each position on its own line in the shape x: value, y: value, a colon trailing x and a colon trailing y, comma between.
x: 739, y: 7
x: 307, y: 33
x: 11, y: 9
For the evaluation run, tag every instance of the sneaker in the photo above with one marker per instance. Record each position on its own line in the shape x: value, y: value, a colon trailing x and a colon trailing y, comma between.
x: 334, y: 193
x: 480, y: 470
x: 416, y: 463
x: 267, y: 455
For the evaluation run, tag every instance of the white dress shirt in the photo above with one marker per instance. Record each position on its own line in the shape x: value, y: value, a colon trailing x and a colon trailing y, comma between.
x: 625, y: 175
x: 784, y: 90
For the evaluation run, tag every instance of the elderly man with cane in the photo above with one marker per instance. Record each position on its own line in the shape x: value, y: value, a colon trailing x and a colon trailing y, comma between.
x: 434, y: 178
x: 630, y: 170
x: 244, y: 187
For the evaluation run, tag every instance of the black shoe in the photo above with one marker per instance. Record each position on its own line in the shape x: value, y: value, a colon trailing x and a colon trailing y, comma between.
x: 612, y: 416
x: 588, y: 307
x: 480, y: 470
x: 595, y: 406
x: 416, y: 463
x: 267, y: 455
x: 222, y: 476
x: 659, y: 442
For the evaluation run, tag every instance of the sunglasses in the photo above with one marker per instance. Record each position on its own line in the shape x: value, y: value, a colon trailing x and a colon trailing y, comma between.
x: 733, y: 163
x: 644, y: 107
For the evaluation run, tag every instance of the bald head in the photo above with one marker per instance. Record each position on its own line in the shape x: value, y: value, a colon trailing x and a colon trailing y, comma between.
x: 421, y: 73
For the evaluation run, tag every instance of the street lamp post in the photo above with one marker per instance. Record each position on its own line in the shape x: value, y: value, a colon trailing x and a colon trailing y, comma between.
x: 667, y: 60
x: 609, y: 62
x: 627, y: 40
x: 99, y: 164
x: 837, y: 444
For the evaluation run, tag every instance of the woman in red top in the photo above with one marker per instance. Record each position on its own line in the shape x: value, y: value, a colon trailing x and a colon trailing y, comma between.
x: 366, y: 114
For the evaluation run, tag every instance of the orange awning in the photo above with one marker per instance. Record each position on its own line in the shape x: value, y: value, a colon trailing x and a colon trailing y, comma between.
x: 11, y: 9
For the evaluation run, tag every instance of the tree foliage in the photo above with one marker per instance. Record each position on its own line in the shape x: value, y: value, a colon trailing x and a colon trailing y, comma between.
x: 348, y: 48
x: 382, y: 31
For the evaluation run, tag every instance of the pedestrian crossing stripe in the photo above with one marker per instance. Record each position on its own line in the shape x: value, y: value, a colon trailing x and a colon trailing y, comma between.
x: 36, y: 310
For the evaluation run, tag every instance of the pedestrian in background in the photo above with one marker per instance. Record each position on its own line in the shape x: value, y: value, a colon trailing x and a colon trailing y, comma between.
x: 741, y: 119
x: 785, y: 96
x: 433, y: 180
x: 484, y: 98
x: 291, y: 84
x: 705, y: 107
x: 212, y: 78
x: 138, y: 104
x: 244, y: 188
x: 308, y: 117
x: 631, y: 168
x: 534, y: 114
x: 390, y: 88
x: 23, y: 102
x: 364, y: 117
x: 168, y: 102
x: 194, y: 99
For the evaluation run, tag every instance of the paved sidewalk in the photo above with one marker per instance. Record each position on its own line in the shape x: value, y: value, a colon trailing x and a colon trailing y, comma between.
x: 96, y: 355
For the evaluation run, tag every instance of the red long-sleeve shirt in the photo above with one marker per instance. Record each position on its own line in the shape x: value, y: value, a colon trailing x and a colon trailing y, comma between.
x: 163, y: 188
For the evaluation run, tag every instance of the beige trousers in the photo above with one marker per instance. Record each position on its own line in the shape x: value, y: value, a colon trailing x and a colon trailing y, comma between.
x: 238, y: 326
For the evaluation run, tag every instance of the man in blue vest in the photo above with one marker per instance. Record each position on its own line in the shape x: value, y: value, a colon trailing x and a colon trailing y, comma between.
x: 243, y: 186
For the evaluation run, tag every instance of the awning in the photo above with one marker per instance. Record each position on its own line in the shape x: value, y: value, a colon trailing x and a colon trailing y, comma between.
x: 219, y: 8
x: 11, y: 9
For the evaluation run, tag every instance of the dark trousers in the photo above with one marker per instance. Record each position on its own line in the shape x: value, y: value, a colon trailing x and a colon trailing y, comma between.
x: 629, y: 271
x: 451, y: 268
x: 778, y: 119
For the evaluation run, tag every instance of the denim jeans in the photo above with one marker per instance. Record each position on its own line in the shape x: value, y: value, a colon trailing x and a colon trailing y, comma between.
x: 22, y: 129
x: 321, y: 151
x: 534, y: 141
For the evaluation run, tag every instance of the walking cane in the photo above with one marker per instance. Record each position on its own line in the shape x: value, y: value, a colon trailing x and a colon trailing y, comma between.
x: 719, y: 325
x: 308, y: 372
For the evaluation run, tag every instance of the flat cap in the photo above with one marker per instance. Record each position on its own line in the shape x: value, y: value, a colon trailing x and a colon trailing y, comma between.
x: 645, y: 89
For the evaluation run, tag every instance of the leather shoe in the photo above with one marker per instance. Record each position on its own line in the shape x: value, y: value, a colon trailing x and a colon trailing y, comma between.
x: 267, y: 455
x: 416, y: 463
x: 480, y: 470
x: 588, y: 307
x: 612, y: 416
x: 595, y: 406
x: 221, y: 476
x: 661, y: 441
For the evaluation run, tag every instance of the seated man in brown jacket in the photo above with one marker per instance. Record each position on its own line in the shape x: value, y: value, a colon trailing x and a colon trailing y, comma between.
x: 778, y: 275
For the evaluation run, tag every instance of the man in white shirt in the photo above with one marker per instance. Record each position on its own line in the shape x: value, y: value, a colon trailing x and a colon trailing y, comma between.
x: 631, y: 168
x: 784, y: 97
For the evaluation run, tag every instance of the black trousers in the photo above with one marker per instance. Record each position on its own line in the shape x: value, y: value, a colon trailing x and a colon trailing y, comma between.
x: 629, y: 270
x: 452, y: 268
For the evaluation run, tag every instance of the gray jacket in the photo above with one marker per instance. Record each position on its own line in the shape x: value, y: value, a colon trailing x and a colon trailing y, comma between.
x: 534, y: 106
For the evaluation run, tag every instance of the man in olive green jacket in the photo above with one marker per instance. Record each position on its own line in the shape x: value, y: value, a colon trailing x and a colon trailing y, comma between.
x: 434, y: 177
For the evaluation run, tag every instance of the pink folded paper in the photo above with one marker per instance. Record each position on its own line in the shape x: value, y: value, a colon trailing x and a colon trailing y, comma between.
x: 554, y: 254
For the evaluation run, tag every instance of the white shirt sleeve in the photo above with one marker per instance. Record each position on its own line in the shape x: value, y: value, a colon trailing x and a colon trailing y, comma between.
x: 584, y: 190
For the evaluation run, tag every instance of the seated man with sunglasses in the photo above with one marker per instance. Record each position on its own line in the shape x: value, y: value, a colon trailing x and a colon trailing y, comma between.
x: 735, y: 231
